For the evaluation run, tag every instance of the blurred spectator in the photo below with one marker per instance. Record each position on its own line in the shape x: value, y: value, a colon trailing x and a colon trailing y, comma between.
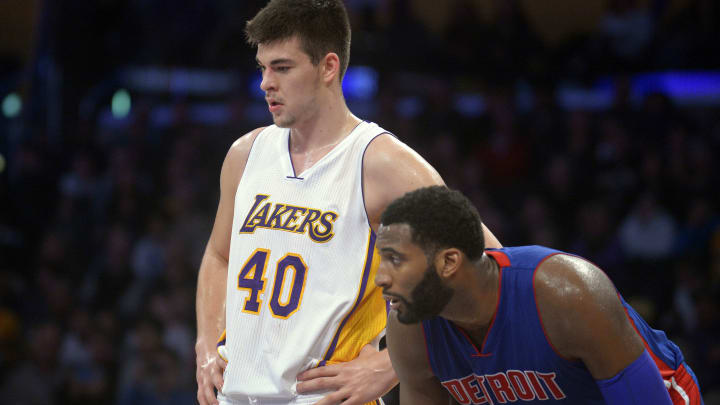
x: 157, y: 382
x: 148, y: 253
x: 37, y: 380
x: 87, y: 354
x: 627, y: 28
x: 596, y: 240
x: 648, y: 231
x: 108, y: 279
x: 9, y: 340
x: 704, y: 340
x: 140, y: 343
x: 695, y: 234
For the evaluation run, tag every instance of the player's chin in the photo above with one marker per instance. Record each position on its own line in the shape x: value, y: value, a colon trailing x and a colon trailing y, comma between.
x: 407, y: 317
x: 283, y: 122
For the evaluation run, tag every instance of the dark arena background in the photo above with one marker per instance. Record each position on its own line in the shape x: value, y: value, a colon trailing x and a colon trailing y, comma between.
x: 589, y: 126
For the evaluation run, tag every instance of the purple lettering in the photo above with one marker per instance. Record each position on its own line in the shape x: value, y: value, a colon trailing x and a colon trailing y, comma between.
x: 289, y: 224
x: 312, y: 216
x: 247, y: 227
x: 326, y: 220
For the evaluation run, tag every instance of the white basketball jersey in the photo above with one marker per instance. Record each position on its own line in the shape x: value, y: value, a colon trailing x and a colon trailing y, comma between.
x: 300, y: 290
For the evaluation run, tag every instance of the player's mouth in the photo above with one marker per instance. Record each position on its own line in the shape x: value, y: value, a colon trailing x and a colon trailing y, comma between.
x: 273, y: 106
x: 393, y: 301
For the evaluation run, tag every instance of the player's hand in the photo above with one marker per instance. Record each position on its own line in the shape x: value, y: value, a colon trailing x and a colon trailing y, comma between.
x: 209, y: 374
x: 356, y: 382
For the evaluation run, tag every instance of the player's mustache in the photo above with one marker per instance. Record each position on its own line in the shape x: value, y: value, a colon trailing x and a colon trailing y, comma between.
x: 399, y: 297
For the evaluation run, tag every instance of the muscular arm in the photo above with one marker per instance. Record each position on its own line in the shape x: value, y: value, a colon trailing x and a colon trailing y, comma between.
x: 212, y: 277
x: 593, y: 326
x: 585, y: 320
x: 418, y: 385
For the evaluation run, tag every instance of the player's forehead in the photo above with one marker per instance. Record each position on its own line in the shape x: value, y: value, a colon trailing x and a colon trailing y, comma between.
x: 283, y: 49
x: 394, y: 235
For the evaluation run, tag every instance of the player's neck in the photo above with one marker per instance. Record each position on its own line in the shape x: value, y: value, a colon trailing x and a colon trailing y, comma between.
x: 330, y: 125
x: 475, y: 300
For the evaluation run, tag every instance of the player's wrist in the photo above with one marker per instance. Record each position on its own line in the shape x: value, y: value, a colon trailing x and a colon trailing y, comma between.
x: 204, y: 347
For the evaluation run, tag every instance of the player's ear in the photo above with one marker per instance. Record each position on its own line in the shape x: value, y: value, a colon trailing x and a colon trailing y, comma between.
x: 330, y: 65
x: 447, y: 262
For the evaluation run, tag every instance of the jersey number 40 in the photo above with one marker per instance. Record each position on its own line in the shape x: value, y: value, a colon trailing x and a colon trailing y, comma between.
x: 252, y: 278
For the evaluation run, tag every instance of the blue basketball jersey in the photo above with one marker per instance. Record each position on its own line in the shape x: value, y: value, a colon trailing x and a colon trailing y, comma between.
x: 516, y: 361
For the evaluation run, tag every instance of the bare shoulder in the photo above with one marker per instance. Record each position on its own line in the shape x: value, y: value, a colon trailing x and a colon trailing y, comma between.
x: 564, y: 278
x: 237, y: 157
x: 581, y: 312
x: 387, y: 153
x: 240, y: 149
x: 569, y: 290
x: 230, y: 174
x: 391, y: 169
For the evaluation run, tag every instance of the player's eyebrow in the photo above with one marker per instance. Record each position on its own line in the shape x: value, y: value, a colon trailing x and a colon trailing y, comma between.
x: 279, y: 61
x: 391, y: 250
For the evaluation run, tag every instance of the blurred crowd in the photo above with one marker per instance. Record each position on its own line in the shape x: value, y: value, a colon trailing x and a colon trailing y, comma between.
x: 102, y: 228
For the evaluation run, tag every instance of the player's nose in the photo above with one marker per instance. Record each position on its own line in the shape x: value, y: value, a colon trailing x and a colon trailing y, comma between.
x: 382, y: 279
x: 267, y: 83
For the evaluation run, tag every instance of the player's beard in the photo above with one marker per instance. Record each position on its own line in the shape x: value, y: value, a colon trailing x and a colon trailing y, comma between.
x: 427, y: 299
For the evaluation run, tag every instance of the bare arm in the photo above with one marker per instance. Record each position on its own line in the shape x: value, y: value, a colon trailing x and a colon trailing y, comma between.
x: 391, y: 169
x: 212, y: 277
x: 418, y: 385
x: 593, y: 327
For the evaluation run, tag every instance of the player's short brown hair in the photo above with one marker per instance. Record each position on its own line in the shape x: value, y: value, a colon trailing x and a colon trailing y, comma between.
x: 322, y: 26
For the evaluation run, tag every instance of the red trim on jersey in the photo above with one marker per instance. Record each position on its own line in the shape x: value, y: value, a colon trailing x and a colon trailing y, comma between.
x: 481, y: 352
x: 665, y: 370
x: 683, y: 379
x: 500, y: 257
x: 497, y: 306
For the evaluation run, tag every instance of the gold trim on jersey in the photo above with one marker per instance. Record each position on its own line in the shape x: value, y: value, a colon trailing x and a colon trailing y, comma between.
x: 367, y: 320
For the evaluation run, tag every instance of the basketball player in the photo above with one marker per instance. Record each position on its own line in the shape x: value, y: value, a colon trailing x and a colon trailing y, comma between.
x: 520, y: 324
x: 289, y: 266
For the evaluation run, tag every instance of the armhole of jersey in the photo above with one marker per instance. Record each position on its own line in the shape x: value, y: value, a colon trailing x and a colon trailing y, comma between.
x: 250, y: 151
x: 681, y: 382
x: 247, y: 160
x: 362, y: 173
x: 664, y: 368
